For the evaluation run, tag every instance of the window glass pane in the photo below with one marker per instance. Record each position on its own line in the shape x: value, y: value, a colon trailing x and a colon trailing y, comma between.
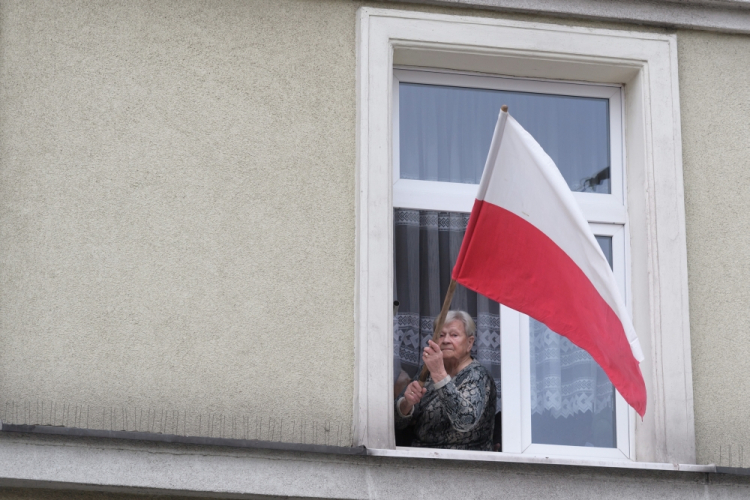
x: 572, y: 400
x: 445, y: 133
x: 605, y: 242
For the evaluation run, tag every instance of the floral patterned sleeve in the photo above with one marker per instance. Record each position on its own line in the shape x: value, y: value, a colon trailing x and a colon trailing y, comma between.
x: 464, y: 404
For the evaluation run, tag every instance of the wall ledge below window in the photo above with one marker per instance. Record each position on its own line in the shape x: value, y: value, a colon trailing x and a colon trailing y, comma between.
x: 399, y: 452
x: 63, y: 462
x: 174, y: 438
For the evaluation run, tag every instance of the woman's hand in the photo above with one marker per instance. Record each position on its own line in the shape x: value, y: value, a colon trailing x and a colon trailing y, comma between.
x: 412, y: 395
x: 433, y: 359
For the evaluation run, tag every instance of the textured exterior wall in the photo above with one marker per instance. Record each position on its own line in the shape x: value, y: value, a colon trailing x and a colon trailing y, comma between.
x: 715, y: 102
x: 177, y: 216
x: 177, y: 208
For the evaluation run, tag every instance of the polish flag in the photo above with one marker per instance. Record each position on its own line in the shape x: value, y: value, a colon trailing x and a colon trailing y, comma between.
x: 529, y: 247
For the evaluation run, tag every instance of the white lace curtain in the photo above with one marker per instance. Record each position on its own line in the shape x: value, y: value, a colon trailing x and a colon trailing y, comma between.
x: 565, y: 379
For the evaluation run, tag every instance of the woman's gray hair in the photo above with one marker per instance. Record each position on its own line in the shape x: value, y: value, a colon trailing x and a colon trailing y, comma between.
x: 469, y: 326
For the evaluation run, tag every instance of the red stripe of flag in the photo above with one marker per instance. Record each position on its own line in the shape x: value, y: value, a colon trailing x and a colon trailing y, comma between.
x: 516, y: 264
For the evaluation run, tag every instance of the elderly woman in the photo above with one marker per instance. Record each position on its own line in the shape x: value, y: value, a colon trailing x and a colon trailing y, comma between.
x: 456, y: 407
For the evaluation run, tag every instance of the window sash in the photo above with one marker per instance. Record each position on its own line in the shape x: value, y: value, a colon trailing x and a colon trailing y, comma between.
x: 406, y: 190
x: 606, y: 213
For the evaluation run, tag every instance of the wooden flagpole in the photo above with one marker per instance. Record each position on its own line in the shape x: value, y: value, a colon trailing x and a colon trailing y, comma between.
x: 439, y: 322
x: 444, y: 311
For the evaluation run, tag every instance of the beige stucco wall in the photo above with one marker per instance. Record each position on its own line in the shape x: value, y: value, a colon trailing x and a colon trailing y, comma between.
x: 715, y: 103
x: 177, y: 218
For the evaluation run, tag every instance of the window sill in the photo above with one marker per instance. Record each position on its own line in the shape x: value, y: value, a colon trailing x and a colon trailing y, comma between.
x: 486, y: 456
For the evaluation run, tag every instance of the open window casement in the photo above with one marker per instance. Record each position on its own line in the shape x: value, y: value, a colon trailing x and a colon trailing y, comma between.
x: 632, y: 212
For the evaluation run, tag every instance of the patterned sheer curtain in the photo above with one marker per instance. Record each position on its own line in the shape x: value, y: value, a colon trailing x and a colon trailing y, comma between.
x: 565, y: 380
x: 426, y: 247
x: 572, y: 400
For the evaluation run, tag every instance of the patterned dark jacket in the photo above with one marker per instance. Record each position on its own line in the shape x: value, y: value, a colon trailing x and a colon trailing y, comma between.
x: 458, y: 416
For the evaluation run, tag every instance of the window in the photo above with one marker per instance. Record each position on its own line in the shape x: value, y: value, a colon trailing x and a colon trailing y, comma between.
x: 650, y: 206
x: 442, y: 126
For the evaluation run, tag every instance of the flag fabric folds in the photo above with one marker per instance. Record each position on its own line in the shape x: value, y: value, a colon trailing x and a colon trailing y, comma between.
x: 529, y: 247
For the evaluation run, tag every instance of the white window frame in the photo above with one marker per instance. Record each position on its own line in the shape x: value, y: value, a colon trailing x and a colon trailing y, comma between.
x: 646, y: 65
x: 459, y: 197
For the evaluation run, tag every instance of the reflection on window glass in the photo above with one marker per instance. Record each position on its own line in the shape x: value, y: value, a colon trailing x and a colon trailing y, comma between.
x: 572, y: 400
x: 445, y: 133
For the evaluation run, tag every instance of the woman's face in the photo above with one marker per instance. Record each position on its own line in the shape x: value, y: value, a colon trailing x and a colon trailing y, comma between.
x: 453, y: 341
